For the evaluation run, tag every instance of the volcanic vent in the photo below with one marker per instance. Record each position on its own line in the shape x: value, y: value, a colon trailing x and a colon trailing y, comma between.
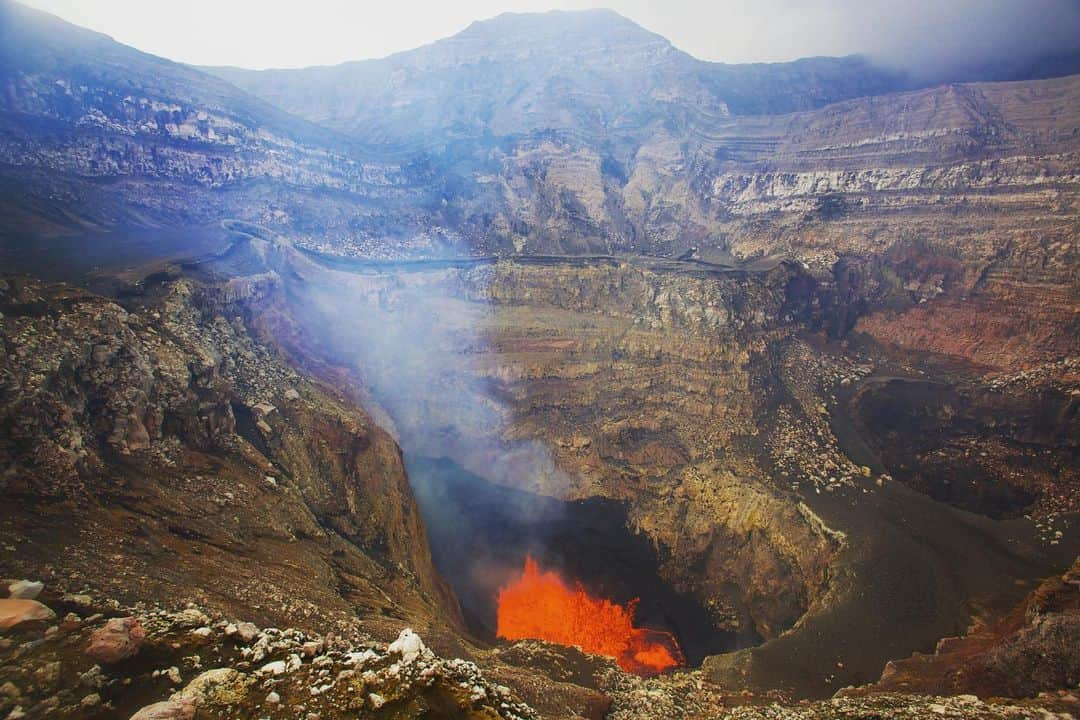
x: 531, y: 567
x: 541, y: 604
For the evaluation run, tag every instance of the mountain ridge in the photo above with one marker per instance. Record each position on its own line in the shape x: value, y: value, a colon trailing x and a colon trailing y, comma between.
x: 744, y: 88
x: 617, y: 57
x: 35, y: 41
x: 632, y: 154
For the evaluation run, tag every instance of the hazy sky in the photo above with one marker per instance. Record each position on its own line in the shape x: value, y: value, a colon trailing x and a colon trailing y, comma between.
x: 285, y: 33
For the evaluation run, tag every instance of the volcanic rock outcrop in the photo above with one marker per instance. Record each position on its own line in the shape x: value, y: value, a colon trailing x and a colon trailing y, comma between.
x: 149, y: 449
x: 1032, y: 650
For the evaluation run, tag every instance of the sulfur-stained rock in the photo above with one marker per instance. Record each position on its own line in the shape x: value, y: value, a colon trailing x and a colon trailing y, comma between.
x: 47, y: 677
x: 192, y: 617
x: 217, y: 687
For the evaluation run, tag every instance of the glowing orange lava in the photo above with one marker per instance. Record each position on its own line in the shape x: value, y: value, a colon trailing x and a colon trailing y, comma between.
x: 541, y: 605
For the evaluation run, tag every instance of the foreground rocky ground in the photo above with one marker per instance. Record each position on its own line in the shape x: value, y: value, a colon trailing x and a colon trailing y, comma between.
x: 80, y: 656
x: 104, y: 660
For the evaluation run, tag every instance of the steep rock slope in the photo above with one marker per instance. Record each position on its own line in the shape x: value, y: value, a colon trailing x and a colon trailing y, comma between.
x: 949, y: 209
x: 1032, y: 650
x: 947, y: 212
x: 160, y: 451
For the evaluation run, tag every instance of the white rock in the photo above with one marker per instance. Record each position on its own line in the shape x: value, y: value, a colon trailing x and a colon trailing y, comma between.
x: 408, y: 645
x: 360, y: 658
x: 25, y: 589
x: 273, y: 668
x: 273, y: 698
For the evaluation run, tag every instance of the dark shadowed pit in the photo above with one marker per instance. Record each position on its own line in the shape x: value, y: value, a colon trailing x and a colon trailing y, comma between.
x: 480, y: 534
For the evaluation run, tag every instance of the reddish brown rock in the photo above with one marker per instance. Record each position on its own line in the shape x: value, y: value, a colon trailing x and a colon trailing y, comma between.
x: 120, y: 639
x: 167, y: 710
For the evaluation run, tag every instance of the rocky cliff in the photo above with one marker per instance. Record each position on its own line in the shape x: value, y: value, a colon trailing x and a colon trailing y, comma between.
x: 160, y: 451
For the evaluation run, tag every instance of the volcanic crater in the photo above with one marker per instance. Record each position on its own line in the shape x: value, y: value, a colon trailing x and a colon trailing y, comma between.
x: 759, y: 382
x: 487, y: 539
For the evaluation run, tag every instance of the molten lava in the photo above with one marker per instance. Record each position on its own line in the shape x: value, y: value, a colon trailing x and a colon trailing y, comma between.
x: 541, y: 605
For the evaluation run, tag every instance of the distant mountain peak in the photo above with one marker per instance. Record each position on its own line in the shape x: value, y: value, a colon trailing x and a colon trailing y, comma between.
x: 559, y: 28
x: 591, y: 18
